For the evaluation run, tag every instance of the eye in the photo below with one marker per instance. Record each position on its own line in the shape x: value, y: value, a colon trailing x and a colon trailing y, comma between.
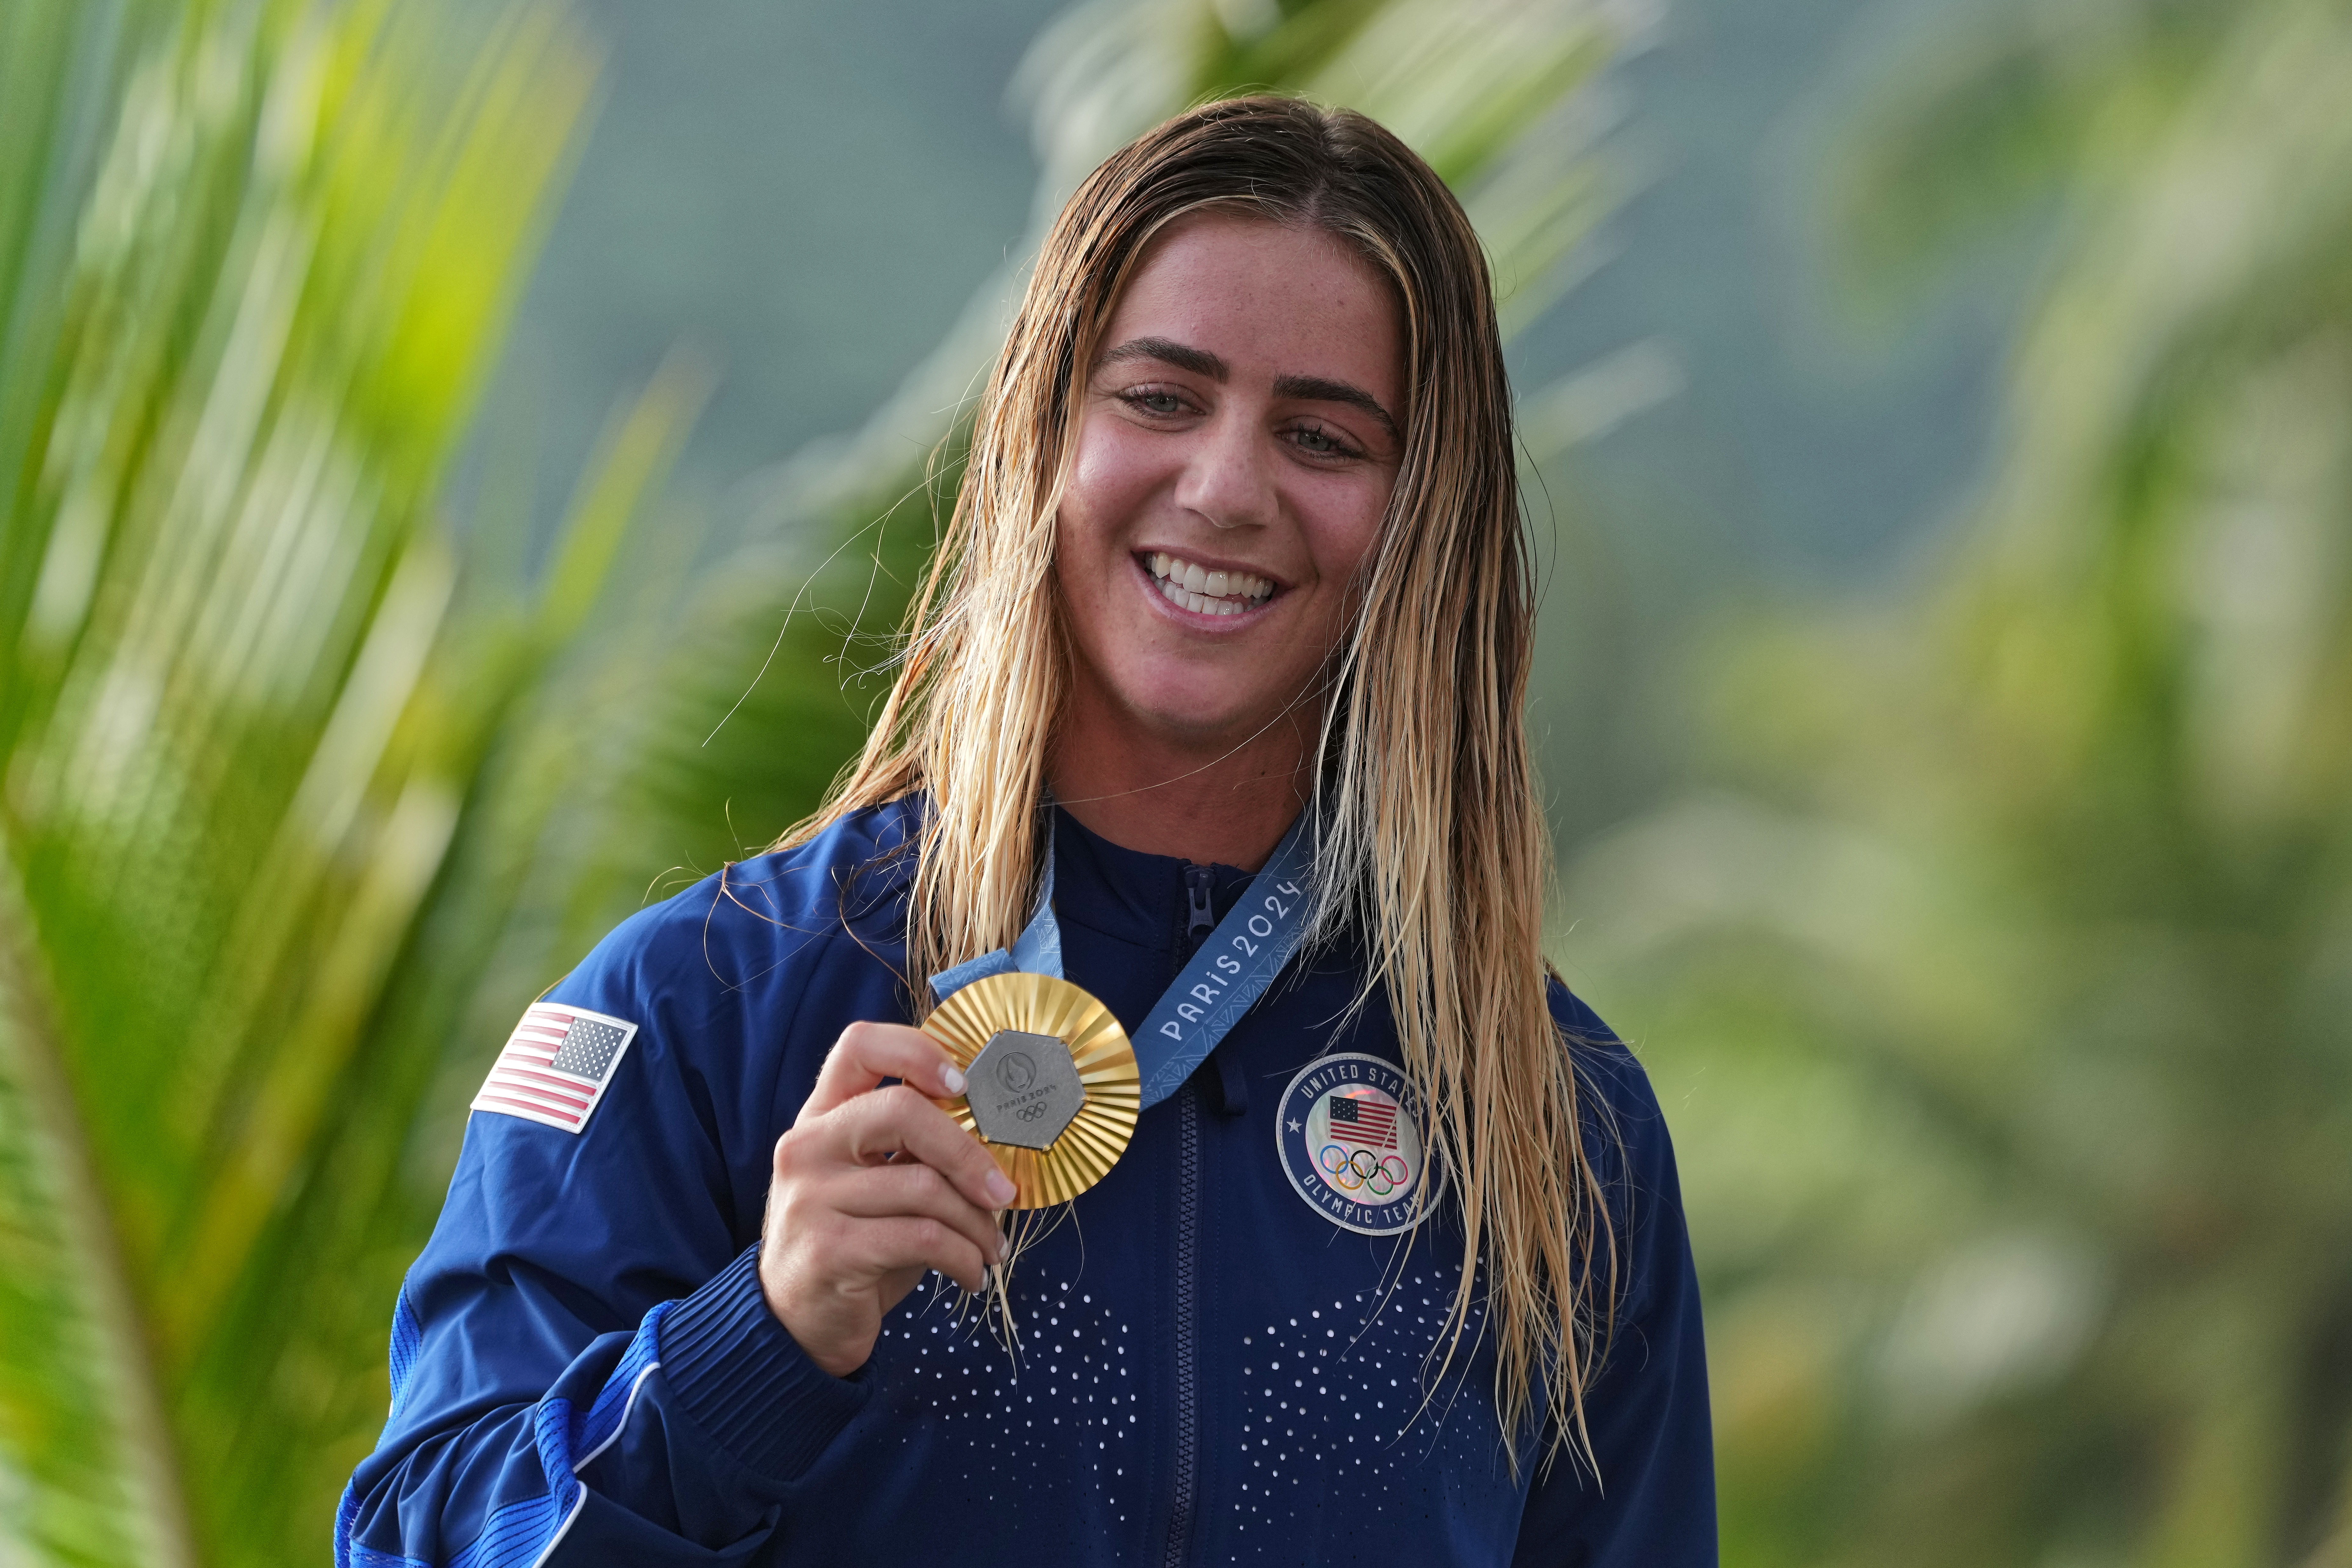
x: 1316, y: 441
x: 1160, y: 402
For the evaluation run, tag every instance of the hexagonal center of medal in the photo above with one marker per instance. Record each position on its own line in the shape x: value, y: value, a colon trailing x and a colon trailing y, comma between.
x: 1023, y: 1089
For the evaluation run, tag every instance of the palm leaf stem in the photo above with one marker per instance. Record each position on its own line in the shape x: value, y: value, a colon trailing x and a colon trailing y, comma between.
x: 115, y: 1356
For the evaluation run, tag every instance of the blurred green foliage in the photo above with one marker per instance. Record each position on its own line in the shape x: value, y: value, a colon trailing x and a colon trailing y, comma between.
x: 304, y: 788
x: 274, y: 748
x: 1996, y: 978
x: 1992, y: 971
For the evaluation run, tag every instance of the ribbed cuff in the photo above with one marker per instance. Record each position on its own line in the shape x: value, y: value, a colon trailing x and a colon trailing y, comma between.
x: 746, y: 1382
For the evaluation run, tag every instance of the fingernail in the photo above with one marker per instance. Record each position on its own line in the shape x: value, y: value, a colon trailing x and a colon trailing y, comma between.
x: 1001, y: 1190
x: 952, y: 1080
x: 1000, y: 1249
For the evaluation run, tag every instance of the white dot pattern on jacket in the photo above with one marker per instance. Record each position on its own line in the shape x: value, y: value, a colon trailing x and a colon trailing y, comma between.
x: 1352, y: 1388
x: 1332, y: 1399
x: 588, y: 1048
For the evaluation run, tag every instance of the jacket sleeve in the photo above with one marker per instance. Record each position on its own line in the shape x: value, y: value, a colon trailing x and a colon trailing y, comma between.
x: 1652, y: 1502
x: 583, y: 1367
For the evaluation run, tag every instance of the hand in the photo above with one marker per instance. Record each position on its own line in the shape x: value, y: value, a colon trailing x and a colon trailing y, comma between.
x: 850, y: 1228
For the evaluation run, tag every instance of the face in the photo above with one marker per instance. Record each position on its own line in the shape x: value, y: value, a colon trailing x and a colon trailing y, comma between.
x: 1239, y: 435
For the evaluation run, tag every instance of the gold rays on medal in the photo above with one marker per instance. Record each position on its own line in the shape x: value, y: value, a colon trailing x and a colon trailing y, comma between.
x: 1044, y: 1005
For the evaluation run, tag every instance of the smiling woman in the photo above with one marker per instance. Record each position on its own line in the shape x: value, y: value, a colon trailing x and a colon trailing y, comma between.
x: 1199, y: 823
x: 1234, y: 457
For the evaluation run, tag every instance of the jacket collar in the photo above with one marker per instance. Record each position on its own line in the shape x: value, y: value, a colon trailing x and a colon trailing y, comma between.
x: 1126, y: 893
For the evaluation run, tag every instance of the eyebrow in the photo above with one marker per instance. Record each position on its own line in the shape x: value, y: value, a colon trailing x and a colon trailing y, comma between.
x: 1167, y: 351
x: 1201, y: 362
x: 1322, y: 389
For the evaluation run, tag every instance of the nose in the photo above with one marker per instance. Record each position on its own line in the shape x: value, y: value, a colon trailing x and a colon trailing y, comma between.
x: 1228, y: 477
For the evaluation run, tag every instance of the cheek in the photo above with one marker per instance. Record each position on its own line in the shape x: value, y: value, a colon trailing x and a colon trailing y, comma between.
x: 1342, y: 527
x: 1109, y: 480
x: 1089, y: 531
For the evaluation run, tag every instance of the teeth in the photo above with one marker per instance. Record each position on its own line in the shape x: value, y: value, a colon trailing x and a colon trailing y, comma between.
x: 1207, y: 592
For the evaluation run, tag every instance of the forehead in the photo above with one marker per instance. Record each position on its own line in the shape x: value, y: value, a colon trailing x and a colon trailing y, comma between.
x: 1269, y: 299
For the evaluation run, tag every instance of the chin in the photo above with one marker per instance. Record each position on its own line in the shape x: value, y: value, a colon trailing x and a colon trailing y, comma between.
x: 1184, y: 711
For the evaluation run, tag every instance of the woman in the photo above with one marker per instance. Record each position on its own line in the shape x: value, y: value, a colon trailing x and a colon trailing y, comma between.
x: 1398, y: 1274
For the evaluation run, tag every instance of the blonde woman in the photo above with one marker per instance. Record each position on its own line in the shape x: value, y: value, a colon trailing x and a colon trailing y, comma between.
x: 1212, y: 697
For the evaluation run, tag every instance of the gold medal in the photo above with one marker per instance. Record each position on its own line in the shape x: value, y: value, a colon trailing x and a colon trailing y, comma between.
x: 1051, y: 1090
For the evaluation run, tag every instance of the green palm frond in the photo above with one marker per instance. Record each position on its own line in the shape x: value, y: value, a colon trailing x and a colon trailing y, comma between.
x: 268, y: 759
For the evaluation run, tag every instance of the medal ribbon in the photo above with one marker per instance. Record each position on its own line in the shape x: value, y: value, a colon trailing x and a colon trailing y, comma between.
x: 1216, y: 986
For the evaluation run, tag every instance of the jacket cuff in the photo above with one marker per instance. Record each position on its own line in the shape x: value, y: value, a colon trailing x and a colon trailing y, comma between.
x: 746, y: 1382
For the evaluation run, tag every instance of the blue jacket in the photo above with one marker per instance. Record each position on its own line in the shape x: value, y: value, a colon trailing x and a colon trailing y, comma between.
x: 1218, y: 1363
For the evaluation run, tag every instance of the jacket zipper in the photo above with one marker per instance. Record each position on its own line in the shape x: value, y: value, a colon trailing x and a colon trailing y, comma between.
x: 1200, y: 917
x: 1199, y: 920
x: 1184, y: 1499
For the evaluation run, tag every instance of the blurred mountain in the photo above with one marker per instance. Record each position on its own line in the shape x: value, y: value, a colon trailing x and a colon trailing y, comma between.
x: 1814, y: 432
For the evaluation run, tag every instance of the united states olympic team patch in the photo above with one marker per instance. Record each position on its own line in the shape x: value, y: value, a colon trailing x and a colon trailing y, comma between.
x: 1348, y: 1132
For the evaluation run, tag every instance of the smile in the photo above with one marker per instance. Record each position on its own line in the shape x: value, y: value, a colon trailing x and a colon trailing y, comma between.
x: 1189, y: 586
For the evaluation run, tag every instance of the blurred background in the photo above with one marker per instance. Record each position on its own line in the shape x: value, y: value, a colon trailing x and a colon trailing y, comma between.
x: 461, y: 463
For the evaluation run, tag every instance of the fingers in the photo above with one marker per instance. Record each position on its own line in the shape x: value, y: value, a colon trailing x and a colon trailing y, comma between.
x: 880, y: 1247
x: 867, y: 1053
x: 901, y: 1122
x: 870, y: 1128
x: 844, y: 1212
x: 912, y: 1191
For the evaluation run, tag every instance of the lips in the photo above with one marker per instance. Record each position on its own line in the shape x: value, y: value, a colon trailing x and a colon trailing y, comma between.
x: 1190, y: 586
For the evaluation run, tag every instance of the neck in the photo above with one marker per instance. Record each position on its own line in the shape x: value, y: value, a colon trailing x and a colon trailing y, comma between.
x: 1223, y: 800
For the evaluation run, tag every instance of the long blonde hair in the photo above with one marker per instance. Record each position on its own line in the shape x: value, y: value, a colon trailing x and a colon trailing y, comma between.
x: 1433, y: 844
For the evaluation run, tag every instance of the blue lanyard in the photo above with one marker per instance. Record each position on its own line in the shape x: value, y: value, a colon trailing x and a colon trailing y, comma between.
x: 1217, y: 985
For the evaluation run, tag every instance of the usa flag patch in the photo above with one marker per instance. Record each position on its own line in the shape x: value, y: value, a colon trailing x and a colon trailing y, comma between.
x: 555, y: 1066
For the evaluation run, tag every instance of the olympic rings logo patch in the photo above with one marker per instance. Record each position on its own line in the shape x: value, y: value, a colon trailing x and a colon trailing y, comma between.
x: 1349, y: 1134
x: 1357, y: 1171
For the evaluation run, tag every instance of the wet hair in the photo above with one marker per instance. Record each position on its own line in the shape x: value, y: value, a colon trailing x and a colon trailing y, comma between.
x: 1434, y: 851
